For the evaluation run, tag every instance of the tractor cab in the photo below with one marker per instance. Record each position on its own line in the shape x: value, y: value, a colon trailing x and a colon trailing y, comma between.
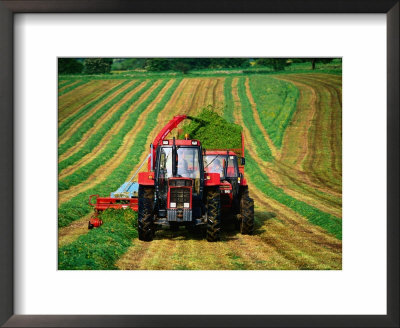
x: 225, y: 162
x: 178, y: 180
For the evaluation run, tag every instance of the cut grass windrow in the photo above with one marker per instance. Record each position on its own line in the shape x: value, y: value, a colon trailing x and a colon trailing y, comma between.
x: 64, y: 83
x: 72, y: 87
x: 102, y: 172
x: 100, y: 248
x: 99, y: 123
x: 330, y: 223
x: 327, y: 221
x: 229, y: 105
x: 325, y: 150
x: 90, y: 122
x: 276, y: 103
x: 70, y: 120
x: 78, y: 206
x: 113, y: 145
x: 263, y: 151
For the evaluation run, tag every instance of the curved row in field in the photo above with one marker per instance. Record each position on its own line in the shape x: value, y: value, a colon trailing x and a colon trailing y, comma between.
x: 240, y: 95
x: 274, y: 103
x: 70, y: 87
x: 242, y: 114
x: 290, y: 175
x: 228, y: 105
x: 306, y: 247
x: 285, y: 237
x: 95, y: 138
x: 176, y: 105
x: 118, y: 107
x: 77, y: 207
x: 70, y: 125
x: 297, y: 145
x: 73, y: 101
x: 115, y: 146
x: 79, y: 227
x: 63, y: 83
x: 323, y: 160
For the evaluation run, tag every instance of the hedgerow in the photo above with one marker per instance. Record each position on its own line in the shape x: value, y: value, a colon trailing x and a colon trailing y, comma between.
x: 329, y: 222
x: 78, y: 206
x: 262, y: 148
x: 276, y: 103
x: 113, y: 145
x: 101, y: 247
x: 91, y: 121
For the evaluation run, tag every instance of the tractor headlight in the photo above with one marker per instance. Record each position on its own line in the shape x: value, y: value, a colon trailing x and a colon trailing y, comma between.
x: 186, y: 205
x: 172, y: 204
x: 227, y: 191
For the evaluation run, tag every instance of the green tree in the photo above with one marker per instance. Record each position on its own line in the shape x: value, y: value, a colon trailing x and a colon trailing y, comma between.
x: 157, y: 64
x: 69, y: 66
x: 124, y: 64
x: 97, y: 65
x: 229, y: 62
x: 314, y: 61
x: 277, y: 64
x: 181, y: 66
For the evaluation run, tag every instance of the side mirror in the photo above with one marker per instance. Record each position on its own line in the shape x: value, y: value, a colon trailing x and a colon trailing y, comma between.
x: 242, y: 161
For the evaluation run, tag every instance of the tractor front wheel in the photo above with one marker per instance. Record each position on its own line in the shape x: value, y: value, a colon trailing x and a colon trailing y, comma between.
x: 146, y: 227
x: 213, y: 215
x: 247, y: 214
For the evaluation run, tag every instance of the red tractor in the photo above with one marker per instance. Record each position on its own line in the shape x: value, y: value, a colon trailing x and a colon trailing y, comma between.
x: 180, y: 189
x: 236, y: 203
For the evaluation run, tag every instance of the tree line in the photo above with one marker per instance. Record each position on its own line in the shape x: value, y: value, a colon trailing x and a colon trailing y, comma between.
x: 184, y: 65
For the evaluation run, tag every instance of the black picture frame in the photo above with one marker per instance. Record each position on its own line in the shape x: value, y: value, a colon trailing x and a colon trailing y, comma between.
x: 10, y: 7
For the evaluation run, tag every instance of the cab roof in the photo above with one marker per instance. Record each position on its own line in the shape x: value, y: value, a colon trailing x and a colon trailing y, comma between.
x: 180, y: 142
x: 220, y: 152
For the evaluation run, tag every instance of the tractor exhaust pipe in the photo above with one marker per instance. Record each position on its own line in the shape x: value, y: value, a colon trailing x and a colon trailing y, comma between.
x: 174, y: 155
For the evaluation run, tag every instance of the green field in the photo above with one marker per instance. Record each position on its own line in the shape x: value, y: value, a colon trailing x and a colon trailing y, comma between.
x: 292, y: 125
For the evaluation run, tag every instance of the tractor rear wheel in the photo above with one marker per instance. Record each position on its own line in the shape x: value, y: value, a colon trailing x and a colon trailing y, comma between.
x: 213, y: 215
x: 247, y: 214
x: 146, y: 227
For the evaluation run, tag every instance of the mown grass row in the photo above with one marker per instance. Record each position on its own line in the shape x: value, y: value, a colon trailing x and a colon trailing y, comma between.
x: 113, y: 145
x: 63, y: 84
x: 328, y: 222
x: 72, y: 87
x: 276, y: 103
x: 91, y: 121
x: 69, y: 121
x: 321, y: 160
x: 101, y: 247
x: 78, y: 206
x: 229, y: 104
x: 263, y: 151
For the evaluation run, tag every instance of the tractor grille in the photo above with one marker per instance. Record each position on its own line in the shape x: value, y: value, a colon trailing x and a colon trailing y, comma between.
x: 179, y: 215
x: 180, y: 182
x: 179, y: 196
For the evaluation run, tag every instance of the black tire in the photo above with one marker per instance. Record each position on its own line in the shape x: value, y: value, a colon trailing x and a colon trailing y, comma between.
x: 213, y: 215
x: 90, y: 226
x: 247, y: 213
x: 146, y: 227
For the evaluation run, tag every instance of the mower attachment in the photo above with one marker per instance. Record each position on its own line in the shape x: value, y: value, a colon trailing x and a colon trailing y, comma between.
x: 103, y: 203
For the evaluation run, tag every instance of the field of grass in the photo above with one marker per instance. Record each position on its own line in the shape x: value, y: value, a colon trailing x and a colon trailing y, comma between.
x: 292, y: 126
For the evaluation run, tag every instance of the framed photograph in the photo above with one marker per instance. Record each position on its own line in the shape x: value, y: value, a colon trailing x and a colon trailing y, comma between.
x: 199, y: 165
